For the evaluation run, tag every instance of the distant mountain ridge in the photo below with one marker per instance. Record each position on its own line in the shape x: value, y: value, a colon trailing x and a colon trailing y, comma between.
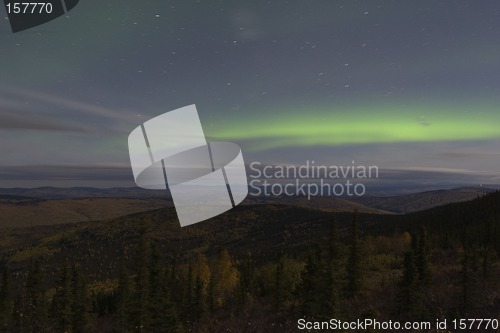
x: 52, y: 206
x: 50, y: 193
x: 325, y: 203
x: 415, y: 202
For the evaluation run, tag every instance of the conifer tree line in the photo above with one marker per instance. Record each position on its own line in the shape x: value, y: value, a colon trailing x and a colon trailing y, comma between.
x: 151, y: 297
x: 347, y: 274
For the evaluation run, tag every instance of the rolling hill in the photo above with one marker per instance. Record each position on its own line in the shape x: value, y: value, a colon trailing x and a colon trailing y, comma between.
x: 268, y: 237
x: 414, y: 202
x: 16, y: 211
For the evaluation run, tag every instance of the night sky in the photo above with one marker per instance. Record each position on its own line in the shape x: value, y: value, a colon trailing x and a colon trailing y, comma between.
x: 410, y: 86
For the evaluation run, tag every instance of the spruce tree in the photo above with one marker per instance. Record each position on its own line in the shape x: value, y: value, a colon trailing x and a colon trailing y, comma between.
x: 169, y: 321
x: 200, y: 306
x: 279, y: 290
x: 81, y: 302
x: 354, y: 263
x: 37, y: 301
x: 163, y: 312
x: 188, y: 298
x: 123, y: 299
x: 408, y: 293
x: 201, y: 279
x: 62, y: 302
x: 334, y: 269
x: 142, y: 315
x: 312, y: 286
x: 465, y: 282
x: 423, y: 257
x: 155, y: 282
x: 247, y: 281
x: 416, y: 275
x: 6, y: 301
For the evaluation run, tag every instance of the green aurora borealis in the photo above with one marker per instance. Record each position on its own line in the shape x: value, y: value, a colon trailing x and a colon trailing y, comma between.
x: 310, y: 126
x: 405, y: 85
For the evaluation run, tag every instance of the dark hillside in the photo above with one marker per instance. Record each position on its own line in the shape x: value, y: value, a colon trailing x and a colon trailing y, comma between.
x: 257, y: 266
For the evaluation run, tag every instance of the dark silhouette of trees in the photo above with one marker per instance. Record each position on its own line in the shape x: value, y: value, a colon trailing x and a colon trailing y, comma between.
x: 335, y: 270
x: 36, y: 305
x: 324, y: 275
x: 422, y: 254
x: 6, y: 301
x: 312, y: 287
x: 61, y: 308
x: 247, y: 280
x: 80, y: 305
x: 70, y: 308
x: 408, y: 298
x: 123, y: 299
x: 354, y: 262
x: 416, y: 277
x: 142, y: 313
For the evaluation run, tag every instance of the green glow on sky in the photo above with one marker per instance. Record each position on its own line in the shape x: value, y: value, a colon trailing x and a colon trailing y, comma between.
x: 360, y: 125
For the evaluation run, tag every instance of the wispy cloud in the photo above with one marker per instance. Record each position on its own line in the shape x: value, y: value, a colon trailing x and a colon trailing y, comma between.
x: 31, y: 121
x: 61, y: 172
x: 38, y: 110
x: 436, y: 170
x: 471, y: 154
